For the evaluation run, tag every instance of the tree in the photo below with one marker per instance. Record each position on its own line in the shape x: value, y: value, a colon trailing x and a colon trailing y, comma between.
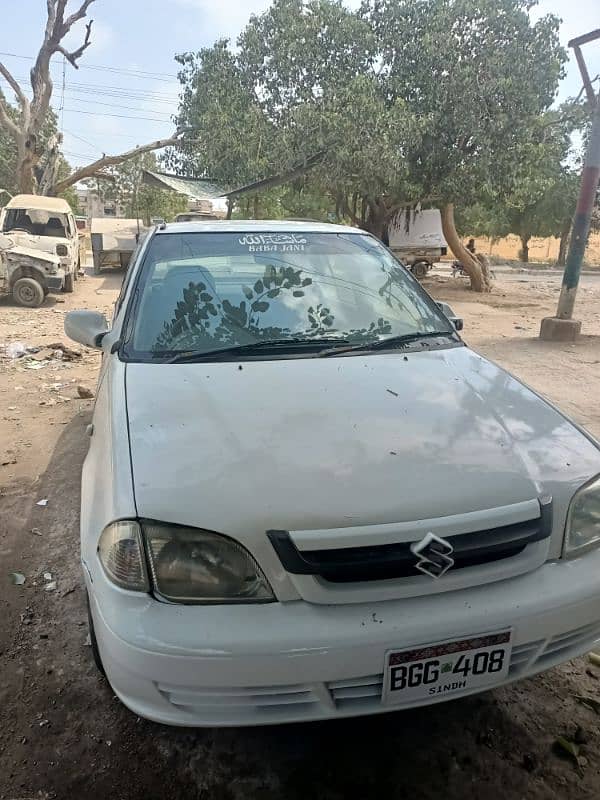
x: 407, y: 100
x: 542, y: 200
x: 25, y: 126
x: 50, y: 142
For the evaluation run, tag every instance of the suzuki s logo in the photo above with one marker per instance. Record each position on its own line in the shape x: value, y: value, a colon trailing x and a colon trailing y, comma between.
x: 434, y: 555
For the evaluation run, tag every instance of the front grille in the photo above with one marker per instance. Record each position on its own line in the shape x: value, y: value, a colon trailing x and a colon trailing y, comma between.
x: 384, y: 562
x: 269, y: 700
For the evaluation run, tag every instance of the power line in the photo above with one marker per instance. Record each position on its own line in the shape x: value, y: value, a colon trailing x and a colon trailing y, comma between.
x: 81, y: 139
x: 120, y: 116
x: 124, y: 96
x: 138, y: 73
x: 118, y: 105
x: 118, y: 91
x: 87, y: 156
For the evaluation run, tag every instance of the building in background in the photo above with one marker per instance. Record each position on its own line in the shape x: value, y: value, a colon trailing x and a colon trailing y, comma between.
x: 92, y: 204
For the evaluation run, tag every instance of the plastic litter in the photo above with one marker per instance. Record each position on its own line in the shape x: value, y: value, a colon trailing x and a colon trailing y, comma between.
x: 43, y: 502
x: 17, y: 578
x: 15, y: 349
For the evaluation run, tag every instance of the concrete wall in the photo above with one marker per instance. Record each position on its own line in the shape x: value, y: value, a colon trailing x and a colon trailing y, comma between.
x: 544, y: 250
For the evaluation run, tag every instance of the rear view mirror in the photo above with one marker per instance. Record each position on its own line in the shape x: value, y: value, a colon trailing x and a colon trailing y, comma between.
x: 458, y: 322
x: 86, y: 327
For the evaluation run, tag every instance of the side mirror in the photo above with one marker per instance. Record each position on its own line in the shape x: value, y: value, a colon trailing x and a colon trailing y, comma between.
x: 86, y: 327
x: 456, y: 321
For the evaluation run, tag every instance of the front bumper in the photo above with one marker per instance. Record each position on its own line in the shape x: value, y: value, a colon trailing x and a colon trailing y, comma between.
x: 287, y: 662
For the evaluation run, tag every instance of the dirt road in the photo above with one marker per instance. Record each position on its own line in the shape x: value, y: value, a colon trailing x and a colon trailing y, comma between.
x: 64, y: 735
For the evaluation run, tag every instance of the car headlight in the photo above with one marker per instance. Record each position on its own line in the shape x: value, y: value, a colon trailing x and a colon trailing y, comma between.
x: 61, y: 250
x: 190, y: 565
x: 122, y: 555
x: 583, y: 519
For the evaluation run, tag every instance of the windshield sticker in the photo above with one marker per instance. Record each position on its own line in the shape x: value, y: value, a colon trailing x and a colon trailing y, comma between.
x: 273, y: 242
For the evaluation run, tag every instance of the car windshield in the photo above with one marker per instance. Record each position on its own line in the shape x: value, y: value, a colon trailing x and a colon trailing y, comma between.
x: 203, y: 292
x: 36, y: 221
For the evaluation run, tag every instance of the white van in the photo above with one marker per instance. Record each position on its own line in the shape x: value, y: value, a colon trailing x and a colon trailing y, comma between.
x: 417, y: 239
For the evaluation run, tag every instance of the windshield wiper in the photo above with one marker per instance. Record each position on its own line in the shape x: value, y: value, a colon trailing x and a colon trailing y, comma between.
x: 389, y: 341
x: 248, y: 348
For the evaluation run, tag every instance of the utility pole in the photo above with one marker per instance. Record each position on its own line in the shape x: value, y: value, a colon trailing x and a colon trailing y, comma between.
x: 563, y: 327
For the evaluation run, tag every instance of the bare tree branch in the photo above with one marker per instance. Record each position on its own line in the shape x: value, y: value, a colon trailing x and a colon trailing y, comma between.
x: 92, y: 170
x: 7, y: 122
x: 56, y: 29
x: 25, y: 128
x: 72, y: 57
x: 104, y: 176
x: 80, y: 14
x: 23, y: 101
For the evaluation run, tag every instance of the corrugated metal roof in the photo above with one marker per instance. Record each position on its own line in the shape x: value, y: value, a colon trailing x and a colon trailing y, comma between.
x: 194, y: 188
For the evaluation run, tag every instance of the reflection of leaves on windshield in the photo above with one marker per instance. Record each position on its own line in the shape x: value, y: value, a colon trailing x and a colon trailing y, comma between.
x: 191, y: 324
x: 395, y: 279
x: 201, y: 320
x: 370, y: 334
x: 320, y: 319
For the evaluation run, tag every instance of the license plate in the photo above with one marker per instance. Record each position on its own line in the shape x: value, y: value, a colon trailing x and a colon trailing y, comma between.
x: 445, y: 669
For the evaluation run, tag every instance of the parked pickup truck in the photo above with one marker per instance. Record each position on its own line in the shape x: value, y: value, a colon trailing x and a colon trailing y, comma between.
x: 44, y: 226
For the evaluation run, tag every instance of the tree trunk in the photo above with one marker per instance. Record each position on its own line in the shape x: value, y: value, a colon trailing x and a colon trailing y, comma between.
x: 229, y: 208
x: 25, y: 164
x: 525, y: 249
x: 564, y: 245
x: 255, y: 207
x: 480, y: 282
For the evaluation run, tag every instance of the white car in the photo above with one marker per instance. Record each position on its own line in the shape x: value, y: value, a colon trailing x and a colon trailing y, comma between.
x: 305, y: 497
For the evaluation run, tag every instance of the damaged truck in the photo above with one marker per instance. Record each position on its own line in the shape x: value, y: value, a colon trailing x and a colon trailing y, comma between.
x: 39, y: 248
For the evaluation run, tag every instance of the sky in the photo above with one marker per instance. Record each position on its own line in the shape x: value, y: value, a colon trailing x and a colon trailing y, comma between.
x: 125, y: 91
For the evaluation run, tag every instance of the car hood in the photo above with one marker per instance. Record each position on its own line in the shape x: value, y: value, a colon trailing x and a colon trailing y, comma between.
x: 37, y: 244
x: 27, y: 253
x: 360, y: 440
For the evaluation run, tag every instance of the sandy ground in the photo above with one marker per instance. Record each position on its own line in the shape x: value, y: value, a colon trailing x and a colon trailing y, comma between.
x: 64, y: 735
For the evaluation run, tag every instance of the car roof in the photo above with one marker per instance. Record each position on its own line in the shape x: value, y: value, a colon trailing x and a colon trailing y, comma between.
x: 39, y: 202
x: 257, y: 225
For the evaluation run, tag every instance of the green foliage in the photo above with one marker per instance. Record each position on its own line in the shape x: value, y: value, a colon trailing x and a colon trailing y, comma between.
x: 542, y: 200
x: 8, y: 162
x: 300, y: 200
x: 407, y: 100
